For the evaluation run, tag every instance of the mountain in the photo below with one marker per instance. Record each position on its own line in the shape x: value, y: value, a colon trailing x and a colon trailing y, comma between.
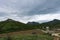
x: 33, y: 23
x: 52, y: 24
x: 11, y: 25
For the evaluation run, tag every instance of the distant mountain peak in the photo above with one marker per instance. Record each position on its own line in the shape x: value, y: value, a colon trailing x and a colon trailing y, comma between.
x: 33, y: 23
x: 56, y: 20
x: 10, y: 20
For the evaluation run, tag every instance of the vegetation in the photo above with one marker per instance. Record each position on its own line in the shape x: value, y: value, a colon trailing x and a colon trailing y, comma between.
x: 28, y: 37
x: 51, y: 24
x: 10, y: 25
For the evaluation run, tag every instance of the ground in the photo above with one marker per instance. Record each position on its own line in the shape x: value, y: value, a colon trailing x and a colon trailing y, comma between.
x: 26, y: 35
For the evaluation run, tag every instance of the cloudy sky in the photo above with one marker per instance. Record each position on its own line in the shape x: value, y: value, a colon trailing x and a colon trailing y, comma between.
x: 30, y: 10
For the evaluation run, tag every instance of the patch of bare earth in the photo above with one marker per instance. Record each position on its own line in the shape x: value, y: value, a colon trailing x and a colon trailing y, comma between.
x: 22, y: 32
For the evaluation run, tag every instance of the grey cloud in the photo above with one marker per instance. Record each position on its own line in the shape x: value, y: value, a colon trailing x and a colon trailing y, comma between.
x: 2, y: 14
x: 50, y: 6
x: 32, y: 7
x: 26, y: 9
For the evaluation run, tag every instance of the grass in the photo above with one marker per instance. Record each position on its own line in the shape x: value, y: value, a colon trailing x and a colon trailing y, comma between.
x: 28, y: 37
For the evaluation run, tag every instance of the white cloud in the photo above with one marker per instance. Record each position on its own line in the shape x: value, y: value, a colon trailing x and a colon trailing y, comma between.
x: 2, y: 18
x: 37, y: 18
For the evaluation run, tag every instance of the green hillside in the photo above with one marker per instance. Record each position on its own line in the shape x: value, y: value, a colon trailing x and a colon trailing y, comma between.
x: 54, y: 24
x: 10, y: 25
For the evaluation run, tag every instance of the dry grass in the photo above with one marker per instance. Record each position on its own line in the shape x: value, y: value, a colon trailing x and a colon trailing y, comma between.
x: 22, y: 32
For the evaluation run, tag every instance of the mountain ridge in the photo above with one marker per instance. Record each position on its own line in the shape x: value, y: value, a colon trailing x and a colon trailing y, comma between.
x: 52, y: 24
x: 10, y: 25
